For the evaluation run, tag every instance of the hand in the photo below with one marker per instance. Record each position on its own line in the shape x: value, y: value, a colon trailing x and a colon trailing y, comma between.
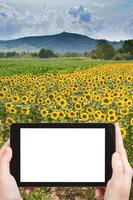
x: 8, y: 186
x: 119, y: 186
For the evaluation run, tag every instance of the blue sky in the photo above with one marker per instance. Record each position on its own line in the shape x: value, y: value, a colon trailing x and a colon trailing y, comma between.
x: 108, y: 19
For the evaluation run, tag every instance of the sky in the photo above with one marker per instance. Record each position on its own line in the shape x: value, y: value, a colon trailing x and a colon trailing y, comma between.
x: 101, y: 19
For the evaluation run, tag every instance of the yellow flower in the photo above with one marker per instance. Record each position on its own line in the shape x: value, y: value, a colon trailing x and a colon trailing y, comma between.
x: 9, y: 120
x: 32, y: 100
x: 40, y: 100
x: 44, y: 112
x: 131, y: 121
x: 48, y: 101
x: 78, y: 106
x: 106, y: 101
x: 111, y: 112
x: 123, y: 133
x: 96, y: 114
x: 112, y: 118
x: 62, y: 102
x: 2, y: 95
x: 103, y: 117
x: 54, y: 115
x: 90, y: 110
x: 72, y: 114
x: 62, y: 115
x: 120, y: 103
x: 129, y: 102
x: 75, y: 99
x: 13, y: 110
x: 8, y: 105
x: 25, y: 110
x: 24, y: 99
x: 15, y: 99
x: 124, y: 111
x: 88, y: 97
x: 84, y: 117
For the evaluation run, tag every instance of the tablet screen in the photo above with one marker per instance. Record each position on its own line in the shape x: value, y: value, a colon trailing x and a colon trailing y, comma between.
x: 62, y: 154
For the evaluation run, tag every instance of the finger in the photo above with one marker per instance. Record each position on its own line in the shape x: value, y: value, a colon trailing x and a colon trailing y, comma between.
x: 117, y: 166
x: 29, y: 190
x: 119, y: 143
x: 5, y: 161
x: 99, y: 193
x: 7, y: 144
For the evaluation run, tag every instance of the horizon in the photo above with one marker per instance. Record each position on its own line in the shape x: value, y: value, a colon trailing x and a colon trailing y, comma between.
x: 96, y: 19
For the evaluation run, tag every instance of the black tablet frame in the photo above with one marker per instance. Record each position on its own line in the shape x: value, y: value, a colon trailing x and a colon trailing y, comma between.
x: 15, y: 145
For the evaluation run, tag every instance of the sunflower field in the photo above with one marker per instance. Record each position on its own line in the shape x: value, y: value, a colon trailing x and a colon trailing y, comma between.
x: 101, y: 93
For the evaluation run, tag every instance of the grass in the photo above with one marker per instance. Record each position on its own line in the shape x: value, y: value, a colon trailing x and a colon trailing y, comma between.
x: 11, y: 66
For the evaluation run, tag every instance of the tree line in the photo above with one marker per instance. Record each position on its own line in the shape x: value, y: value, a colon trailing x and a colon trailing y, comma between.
x: 104, y: 50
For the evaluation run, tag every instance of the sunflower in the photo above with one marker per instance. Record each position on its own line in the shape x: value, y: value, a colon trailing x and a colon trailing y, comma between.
x: 55, y: 115
x: 48, y: 101
x: 72, y: 114
x: 9, y: 120
x: 62, y: 115
x: 40, y: 100
x: 90, y: 110
x: 25, y: 110
x: 51, y: 96
x: 8, y: 105
x: 24, y: 99
x: 123, y: 133
x: 2, y: 95
x: 131, y: 121
x: 120, y: 103
x: 112, y: 118
x: 111, y: 112
x: 4, y: 89
x: 129, y: 102
x: 75, y: 99
x: 96, y: 114
x: 103, y: 116
x: 32, y: 100
x: 62, y: 102
x: 13, y: 110
x: 106, y: 101
x: 84, y: 116
x: 78, y: 106
x: 15, y: 99
x: 88, y: 97
x: 44, y: 112
x: 124, y: 111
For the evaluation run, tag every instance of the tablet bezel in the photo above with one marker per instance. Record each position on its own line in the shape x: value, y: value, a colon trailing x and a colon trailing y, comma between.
x: 15, y: 145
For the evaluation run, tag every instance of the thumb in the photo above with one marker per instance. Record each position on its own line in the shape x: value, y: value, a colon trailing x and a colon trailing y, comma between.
x: 117, y: 166
x: 5, y: 161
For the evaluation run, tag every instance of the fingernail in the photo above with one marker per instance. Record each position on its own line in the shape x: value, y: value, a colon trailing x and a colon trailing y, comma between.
x: 117, y: 123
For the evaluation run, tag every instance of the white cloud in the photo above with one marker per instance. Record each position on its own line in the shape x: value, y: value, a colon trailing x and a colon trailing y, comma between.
x: 98, y: 19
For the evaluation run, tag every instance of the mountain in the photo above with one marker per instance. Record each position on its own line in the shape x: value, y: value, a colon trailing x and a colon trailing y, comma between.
x: 63, y: 42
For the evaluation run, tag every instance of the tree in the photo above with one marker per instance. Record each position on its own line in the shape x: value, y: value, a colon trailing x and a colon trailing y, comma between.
x: 46, y: 53
x: 11, y: 54
x: 104, y: 50
x: 2, y: 55
x: 122, y: 56
x: 72, y: 54
x: 128, y: 47
x: 34, y: 54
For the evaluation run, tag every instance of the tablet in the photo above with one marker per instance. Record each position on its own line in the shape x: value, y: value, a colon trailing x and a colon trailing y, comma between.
x: 62, y: 154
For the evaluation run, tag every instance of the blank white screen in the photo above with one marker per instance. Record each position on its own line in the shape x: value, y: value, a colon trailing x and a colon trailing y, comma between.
x: 62, y: 155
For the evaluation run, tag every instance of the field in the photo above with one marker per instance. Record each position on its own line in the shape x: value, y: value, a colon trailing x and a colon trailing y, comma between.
x: 66, y: 90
